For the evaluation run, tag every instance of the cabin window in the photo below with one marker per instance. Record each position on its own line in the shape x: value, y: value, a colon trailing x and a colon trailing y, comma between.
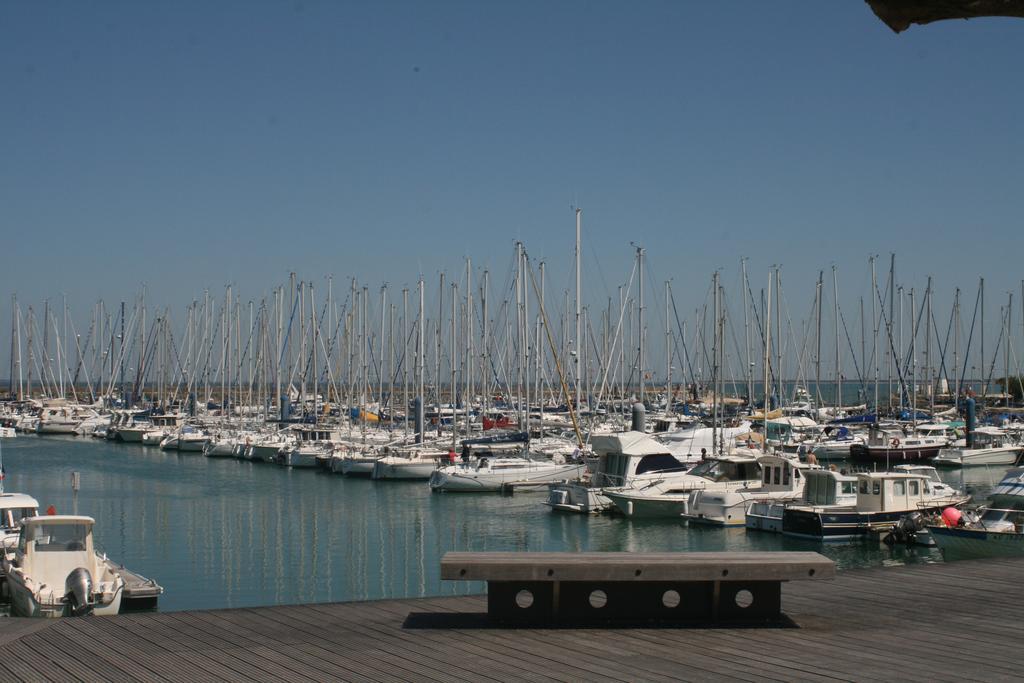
x: 776, y: 475
x: 767, y: 475
x: 913, y: 487
x: 659, y: 463
x: 16, y: 515
x: 864, y: 486
x: 848, y: 487
x: 785, y: 476
x: 876, y: 488
x: 899, y: 488
x: 58, y: 537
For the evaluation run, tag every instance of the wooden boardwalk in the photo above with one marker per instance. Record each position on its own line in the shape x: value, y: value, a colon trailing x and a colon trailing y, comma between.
x: 947, y: 622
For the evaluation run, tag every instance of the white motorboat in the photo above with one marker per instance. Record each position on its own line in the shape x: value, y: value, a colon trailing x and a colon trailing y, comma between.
x: 989, y: 446
x: 623, y: 459
x: 669, y: 497
x: 492, y: 474
x: 55, y: 571
x: 994, y: 530
x: 782, y: 481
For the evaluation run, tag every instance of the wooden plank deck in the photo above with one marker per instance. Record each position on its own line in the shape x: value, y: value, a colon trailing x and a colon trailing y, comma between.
x: 946, y: 622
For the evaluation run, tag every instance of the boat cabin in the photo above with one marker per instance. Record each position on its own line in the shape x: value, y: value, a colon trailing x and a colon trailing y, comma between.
x: 828, y: 487
x: 780, y: 474
x: 622, y: 457
x: 15, y: 507
x: 990, y: 437
x: 170, y: 420
x: 312, y: 433
x: 55, y: 545
x: 886, y: 491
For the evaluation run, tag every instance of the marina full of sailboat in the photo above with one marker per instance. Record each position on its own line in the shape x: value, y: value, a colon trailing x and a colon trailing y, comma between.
x: 829, y: 427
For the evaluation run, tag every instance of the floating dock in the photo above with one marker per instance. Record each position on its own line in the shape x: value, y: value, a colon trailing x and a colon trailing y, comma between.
x: 944, y: 622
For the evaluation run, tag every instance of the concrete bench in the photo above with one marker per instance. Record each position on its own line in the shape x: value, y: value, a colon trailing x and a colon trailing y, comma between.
x: 603, y: 588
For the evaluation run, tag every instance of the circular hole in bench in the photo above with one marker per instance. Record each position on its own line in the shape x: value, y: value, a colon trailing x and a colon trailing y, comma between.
x: 670, y: 599
x: 638, y: 572
x: 810, y: 572
x: 725, y: 572
x: 744, y: 599
x: 462, y: 572
x: 551, y: 572
x: 524, y: 599
x: 598, y: 599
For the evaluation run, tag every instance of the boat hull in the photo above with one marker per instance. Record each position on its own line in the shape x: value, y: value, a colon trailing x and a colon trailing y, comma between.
x: 841, y: 525
x: 467, y: 479
x: 649, y: 507
x: 959, y: 542
x: 578, y: 498
x: 407, y: 469
x: 884, y: 454
x: 962, y: 457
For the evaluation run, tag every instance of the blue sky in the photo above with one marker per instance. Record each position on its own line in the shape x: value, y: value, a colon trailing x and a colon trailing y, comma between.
x: 189, y: 145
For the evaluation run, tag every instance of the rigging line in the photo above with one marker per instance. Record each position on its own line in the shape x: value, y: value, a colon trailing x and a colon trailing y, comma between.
x: 970, y: 337
x: 682, y: 340
x: 551, y: 343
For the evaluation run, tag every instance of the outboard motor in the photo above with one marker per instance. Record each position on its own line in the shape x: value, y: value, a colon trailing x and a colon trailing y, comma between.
x: 78, y: 592
x: 910, y: 530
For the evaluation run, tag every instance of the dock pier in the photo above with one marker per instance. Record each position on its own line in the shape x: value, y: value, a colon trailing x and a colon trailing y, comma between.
x: 941, y: 622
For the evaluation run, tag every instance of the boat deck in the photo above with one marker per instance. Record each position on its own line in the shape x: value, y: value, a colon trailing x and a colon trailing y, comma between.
x: 943, y: 622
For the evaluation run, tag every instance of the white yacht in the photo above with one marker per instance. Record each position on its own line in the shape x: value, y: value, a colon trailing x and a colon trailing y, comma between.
x: 623, y: 459
x: 669, y: 497
x: 492, y: 474
x: 782, y: 481
x: 54, y: 570
x: 989, y: 446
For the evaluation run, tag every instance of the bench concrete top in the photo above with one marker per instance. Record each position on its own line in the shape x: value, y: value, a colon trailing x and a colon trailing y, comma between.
x: 702, y: 566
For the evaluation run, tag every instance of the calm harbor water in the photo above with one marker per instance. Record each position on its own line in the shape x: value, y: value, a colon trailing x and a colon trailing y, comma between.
x: 218, y: 532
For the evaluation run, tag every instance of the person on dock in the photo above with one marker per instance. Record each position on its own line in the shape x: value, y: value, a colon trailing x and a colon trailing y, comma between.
x: 451, y: 456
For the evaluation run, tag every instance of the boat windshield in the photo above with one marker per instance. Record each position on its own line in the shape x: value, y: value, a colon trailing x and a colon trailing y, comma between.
x: 52, y: 538
x: 726, y: 470
x: 1002, y: 520
x: 659, y: 463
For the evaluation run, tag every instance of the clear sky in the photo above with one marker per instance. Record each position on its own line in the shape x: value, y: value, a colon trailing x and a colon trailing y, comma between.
x: 189, y: 145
